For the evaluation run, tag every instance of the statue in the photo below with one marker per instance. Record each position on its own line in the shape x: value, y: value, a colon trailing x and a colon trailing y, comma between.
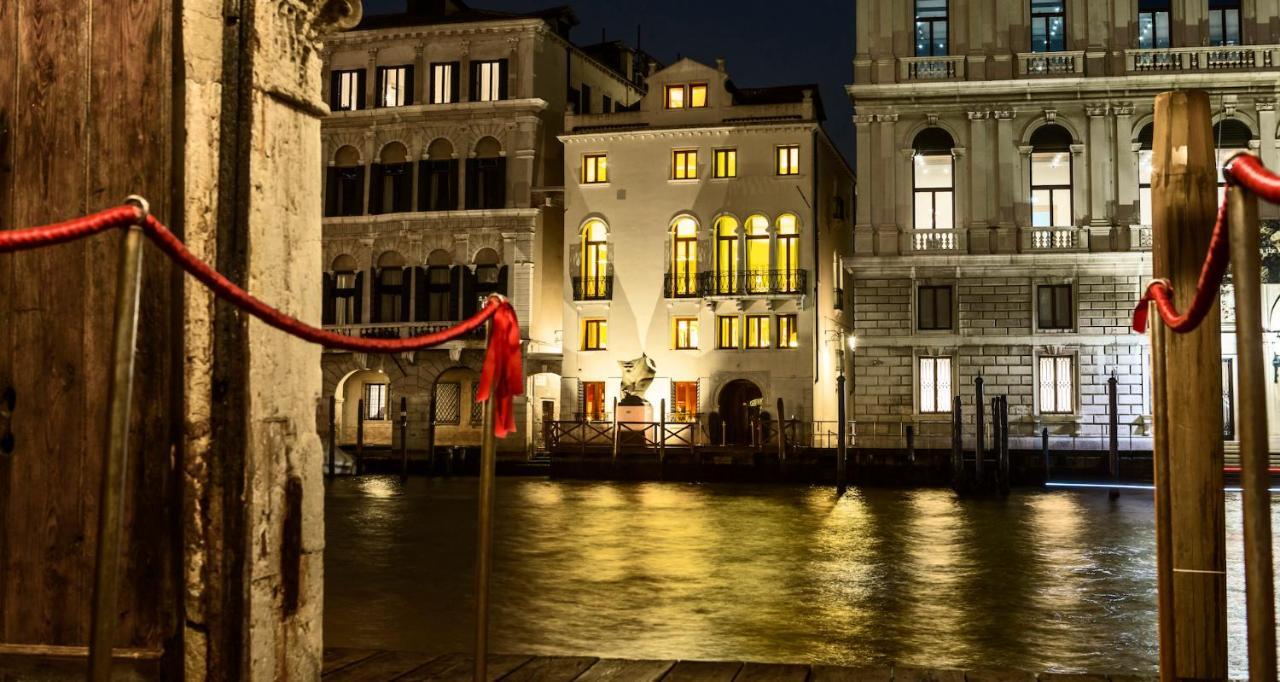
x: 637, y: 376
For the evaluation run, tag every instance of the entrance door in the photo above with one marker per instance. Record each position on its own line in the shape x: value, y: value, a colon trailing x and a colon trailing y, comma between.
x: 736, y: 411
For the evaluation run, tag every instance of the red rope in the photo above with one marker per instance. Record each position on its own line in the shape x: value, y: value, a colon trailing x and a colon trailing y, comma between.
x: 501, y: 379
x: 1248, y: 172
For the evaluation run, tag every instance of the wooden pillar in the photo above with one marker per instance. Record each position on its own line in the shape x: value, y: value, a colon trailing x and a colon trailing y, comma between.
x: 1188, y: 410
x: 1113, y: 433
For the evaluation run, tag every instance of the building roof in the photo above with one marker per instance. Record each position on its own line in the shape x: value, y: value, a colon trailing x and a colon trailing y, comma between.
x: 780, y: 94
x: 431, y: 12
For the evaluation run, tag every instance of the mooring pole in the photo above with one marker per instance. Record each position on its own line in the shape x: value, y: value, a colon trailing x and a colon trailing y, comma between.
x: 484, y: 540
x: 1165, y: 617
x: 911, y: 444
x: 957, y: 444
x: 662, y: 431
x: 106, y: 576
x: 359, y: 437
x: 980, y: 444
x: 1184, y: 192
x: 842, y: 464
x: 782, y: 434
x: 1044, y: 453
x: 1113, y: 433
x: 404, y: 439
x: 431, y: 433
x: 1259, y: 574
x: 1004, y: 445
x: 333, y: 436
x: 615, y: 430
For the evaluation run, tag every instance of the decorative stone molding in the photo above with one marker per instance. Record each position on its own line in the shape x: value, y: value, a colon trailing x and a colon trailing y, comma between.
x: 1122, y: 108
x: 1076, y: 149
x: 864, y: 119
x: 908, y: 153
x: 887, y: 118
x: 1051, y: 115
x: 1025, y: 150
x: 958, y: 152
x: 1094, y: 110
x: 979, y: 115
x: 1265, y: 104
x: 932, y: 118
x: 1003, y: 115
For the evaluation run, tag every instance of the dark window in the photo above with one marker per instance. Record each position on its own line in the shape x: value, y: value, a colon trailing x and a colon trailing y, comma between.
x: 584, y: 106
x: 343, y: 308
x: 346, y: 90
x: 1153, y: 24
x: 395, y: 86
x: 1048, y: 26
x: 931, y: 28
x: 1055, y: 307
x: 391, y: 296
x: 448, y: 403
x: 486, y: 183
x: 438, y: 185
x: 391, y: 188
x: 1224, y: 22
x: 344, y: 191
x: 934, y: 308
x: 438, y: 292
x: 606, y: 104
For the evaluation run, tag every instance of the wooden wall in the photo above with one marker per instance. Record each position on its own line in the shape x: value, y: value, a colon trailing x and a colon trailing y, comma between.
x: 87, y: 104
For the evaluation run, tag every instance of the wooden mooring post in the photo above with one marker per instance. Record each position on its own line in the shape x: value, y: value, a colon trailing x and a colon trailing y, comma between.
x: 980, y: 424
x: 781, y: 421
x: 662, y: 432
x: 911, y: 443
x: 355, y: 467
x: 614, y: 453
x: 1188, y: 412
x: 404, y: 439
x: 1044, y: 453
x: 1113, y: 434
x: 957, y: 444
x: 842, y: 454
x: 1005, y: 465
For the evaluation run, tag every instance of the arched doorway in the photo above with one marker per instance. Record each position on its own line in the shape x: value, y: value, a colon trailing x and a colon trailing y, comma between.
x: 736, y: 410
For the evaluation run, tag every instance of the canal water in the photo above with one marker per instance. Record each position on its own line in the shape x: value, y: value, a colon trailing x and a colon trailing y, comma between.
x: 1045, y: 580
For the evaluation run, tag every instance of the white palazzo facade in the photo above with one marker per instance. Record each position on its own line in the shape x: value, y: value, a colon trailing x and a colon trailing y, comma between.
x: 1002, y: 224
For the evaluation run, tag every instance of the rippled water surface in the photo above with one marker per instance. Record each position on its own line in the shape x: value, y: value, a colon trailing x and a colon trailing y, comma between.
x: 1041, y: 581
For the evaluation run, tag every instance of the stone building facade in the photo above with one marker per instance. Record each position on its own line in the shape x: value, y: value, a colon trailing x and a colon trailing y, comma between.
x: 1002, y: 228
x: 444, y: 184
x: 702, y: 234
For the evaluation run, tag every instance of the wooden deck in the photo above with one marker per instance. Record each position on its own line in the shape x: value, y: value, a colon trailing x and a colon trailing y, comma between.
x: 358, y: 665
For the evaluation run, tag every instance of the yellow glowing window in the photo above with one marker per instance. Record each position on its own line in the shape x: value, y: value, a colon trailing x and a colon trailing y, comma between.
x: 789, y: 160
x: 788, y: 264
x: 685, y: 333
x: 729, y: 331
x: 757, y: 269
x: 595, y: 169
x: 595, y: 334
x: 684, y: 400
x: 593, y: 400
x: 788, y: 333
x: 675, y: 96
x: 698, y: 95
x: 726, y: 165
x: 684, y: 164
x: 726, y: 255
x: 684, y: 257
x: 757, y: 331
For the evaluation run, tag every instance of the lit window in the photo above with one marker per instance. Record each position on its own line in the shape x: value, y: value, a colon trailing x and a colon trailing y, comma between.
x: 685, y: 333
x: 593, y: 400
x: 684, y: 401
x: 1057, y: 384
x: 1224, y: 22
x: 488, y: 80
x: 698, y: 95
x: 395, y: 85
x: 933, y: 308
x: 1051, y: 177
x: 684, y: 164
x: 789, y: 160
x: 595, y: 334
x: 448, y: 403
x: 931, y: 28
x: 757, y: 270
x: 1153, y: 24
x: 348, y: 90
x: 758, y: 331
x: 935, y: 385
x: 788, y: 248
x: 727, y: 250
x: 1055, y: 308
x: 675, y: 96
x: 375, y: 402
x: 1048, y: 26
x: 684, y: 258
x: 1230, y: 137
x: 595, y: 282
x: 788, y: 332
x: 595, y: 169
x: 726, y: 165
x: 933, y: 171
x: 444, y: 83
x: 728, y: 332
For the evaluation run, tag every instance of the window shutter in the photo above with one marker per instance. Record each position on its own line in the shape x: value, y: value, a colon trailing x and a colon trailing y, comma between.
x: 353, y: 208
x: 496, y: 192
x: 361, y: 88
x: 404, y: 189
x: 455, y: 81
x: 420, y: 285
x: 426, y: 202
x: 375, y: 189
x: 331, y: 190
x: 329, y: 313
x: 335, y: 90
x: 408, y: 85
x: 502, y: 79
x: 473, y: 184
x: 359, y: 298
x: 376, y: 314
x: 406, y: 284
x: 475, y: 81
x: 453, y: 185
x: 502, y: 281
x: 469, y: 301
x: 455, y: 292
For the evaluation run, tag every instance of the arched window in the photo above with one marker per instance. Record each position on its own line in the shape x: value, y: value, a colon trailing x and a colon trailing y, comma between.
x: 391, y: 181
x: 933, y: 180
x: 491, y: 277
x: 487, y: 176
x: 435, y: 289
x: 438, y: 178
x: 343, y: 288
x: 1051, y: 177
x: 1230, y: 137
x: 344, y: 184
x: 684, y: 258
x: 727, y: 251
x: 595, y: 262
x: 391, y: 297
x: 757, y: 266
x: 1145, y: 145
x: 788, y: 253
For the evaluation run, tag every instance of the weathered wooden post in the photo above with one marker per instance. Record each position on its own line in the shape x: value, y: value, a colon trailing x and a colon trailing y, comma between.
x: 1113, y: 433
x: 980, y: 443
x: 333, y: 436
x: 404, y: 438
x: 911, y: 443
x: 615, y: 430
x: 359, y: 437
x: 841, y: 447
x: 1005, y: 467
x: 957, y: 444
x: 662, y: 431
x: 1259, y: 574
x: 1044, y: 452
x: 1184, y: 191
x: 782, y: 434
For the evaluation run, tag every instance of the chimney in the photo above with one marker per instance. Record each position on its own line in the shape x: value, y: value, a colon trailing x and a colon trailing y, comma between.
x: 720, y: 64
x: 653, y: 67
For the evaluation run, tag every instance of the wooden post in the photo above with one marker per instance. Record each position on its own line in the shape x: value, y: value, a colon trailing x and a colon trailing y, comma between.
x: 782, y: 434
x: 1259, y: 574
x: 1044, y: 452
x: 404, y: 438
x: 1184, y: 192
x: 957, y: 444
x: 1113, y: 433
x: 662, y: 431
x: 980, y: 442
x: 1005, y: 466
x: 333, y: 436
x: 911, y: 443
x: 841, y: 452
x: 615, y: 430
x: 359, y: 437
x: 1166, y: 624
x: 431, y: 431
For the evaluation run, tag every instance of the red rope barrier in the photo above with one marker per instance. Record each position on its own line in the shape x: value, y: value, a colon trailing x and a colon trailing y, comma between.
x: 1248, y: 172
x: 501, y: 378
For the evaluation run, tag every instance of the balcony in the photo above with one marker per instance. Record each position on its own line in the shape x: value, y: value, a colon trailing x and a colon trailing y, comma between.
x: 1053, y: 239
x: 682, y: 285
x: 754, y: 283
x: 400, y: 330
x: 1060, y: 64
x: 934, y: 241
x: 1231, y: 58
x: 598, y: 288
x: 930, y: 69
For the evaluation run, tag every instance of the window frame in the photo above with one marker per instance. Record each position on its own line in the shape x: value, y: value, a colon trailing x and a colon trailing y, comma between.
x: 690, y: 96
x: 667, y: 99
x: 680, y: 164
x: 1056, y: 323
x: 404, y: 91
x: 452, y: 419
x: 1153, y: 16
x: 495, y: 90
x: 940, y: 407
x: 950, y: 307
x: 595, y: 169
x: 688, y: 326
x: 1055, y: 360
x: 757, y: 332
x: 933, y: 22
x: 1047, y: 46
x: 787, y: 160
x: 728, y: 326
x: 356, y: 87
x: 370, y: 415
x: 684, y: 273
x: 933, y: 193
x: 602, y: 392
x: 1069, y: 188
x: 595, y: 335
x: 1224, y: 7
x: 788, y: 326
x: 730, y: 166
x: 679, y: 391
x: 444, y: 83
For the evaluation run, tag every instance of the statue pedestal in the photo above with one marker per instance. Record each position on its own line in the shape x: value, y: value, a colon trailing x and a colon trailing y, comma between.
x: 632, y: 422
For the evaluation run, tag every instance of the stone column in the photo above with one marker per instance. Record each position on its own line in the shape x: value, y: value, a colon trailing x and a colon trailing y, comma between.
x: 1101, y: 197
x: 366, y: 293
x: 371, y: 79
x: 1010, y: 185
x: 1079, y: 180
x: 980, y: 169
x: 522, y: 166
x: 1126, y: 170
x: 883, y: 181
x: 368, y: 159
x: 413, y: 174
x: 420, y: 79
x: 464, y: 75
x: 961, y: 206
x: 864, y: 235
x: 514, y: 65
x: 1023, y: 206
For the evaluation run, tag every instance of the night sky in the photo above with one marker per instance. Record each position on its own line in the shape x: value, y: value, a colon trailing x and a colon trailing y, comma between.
x: 764, y: 43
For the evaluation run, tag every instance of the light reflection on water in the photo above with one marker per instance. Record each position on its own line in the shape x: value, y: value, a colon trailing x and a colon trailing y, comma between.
x: 1058, y: 580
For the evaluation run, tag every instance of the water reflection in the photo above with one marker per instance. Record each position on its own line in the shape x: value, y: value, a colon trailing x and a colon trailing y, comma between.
x: 1061, y: 580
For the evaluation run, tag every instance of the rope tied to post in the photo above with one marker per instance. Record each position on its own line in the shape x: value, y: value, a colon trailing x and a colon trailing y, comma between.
x: 1243, y: 170
x: 500, y: 380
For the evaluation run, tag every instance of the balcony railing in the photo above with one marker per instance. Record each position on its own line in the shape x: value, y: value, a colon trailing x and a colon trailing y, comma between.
x: 1230, y: 58
x: 593, y: 288
x: 935, y: 241
x: 398, y: 330
x: 682, y: 285
x: 1051, y: 63
x: 930, y: 68
x: 754, y: 283
x: 1053, y: 239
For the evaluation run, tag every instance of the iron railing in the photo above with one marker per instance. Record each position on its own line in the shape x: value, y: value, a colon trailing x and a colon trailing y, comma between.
x: 598, y: 288
x: 754, y: 283
x: 682, y: 285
